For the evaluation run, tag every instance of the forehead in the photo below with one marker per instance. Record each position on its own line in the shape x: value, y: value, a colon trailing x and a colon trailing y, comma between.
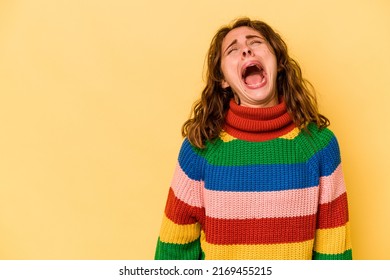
x: 239, y: 33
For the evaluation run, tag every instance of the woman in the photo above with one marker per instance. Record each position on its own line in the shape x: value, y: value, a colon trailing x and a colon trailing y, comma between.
x: 259, y: 173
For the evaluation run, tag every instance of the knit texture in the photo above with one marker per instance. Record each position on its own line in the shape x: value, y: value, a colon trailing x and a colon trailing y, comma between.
x: 262, y: 190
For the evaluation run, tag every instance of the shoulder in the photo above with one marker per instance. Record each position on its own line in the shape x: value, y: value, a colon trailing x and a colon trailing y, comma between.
x: 320, y: 133
x: 321, y: 137
x: 328, y: 151
x: 326, y: 143
x: 318, y: 142
x: 188, y: 149
x: 191, y: 160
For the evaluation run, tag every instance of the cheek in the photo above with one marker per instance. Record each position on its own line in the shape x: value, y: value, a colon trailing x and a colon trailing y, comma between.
x: 224, y: 69
x: 228, y: 67
x: 271, y: 61
x: 225, y: 75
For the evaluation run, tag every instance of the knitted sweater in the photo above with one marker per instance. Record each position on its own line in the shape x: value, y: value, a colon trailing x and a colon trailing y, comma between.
x: 262, y: 190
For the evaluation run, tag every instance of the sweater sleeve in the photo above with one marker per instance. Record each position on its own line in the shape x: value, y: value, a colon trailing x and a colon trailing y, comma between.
x: 332, y: 238
x: 179, y: 237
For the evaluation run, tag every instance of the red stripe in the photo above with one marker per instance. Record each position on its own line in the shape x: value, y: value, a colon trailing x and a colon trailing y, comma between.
x: 333, y: 214
x: 180, y: 212
x: 260, y: 231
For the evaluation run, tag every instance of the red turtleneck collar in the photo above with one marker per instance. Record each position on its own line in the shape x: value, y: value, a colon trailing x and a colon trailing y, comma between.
x: 258, y: 124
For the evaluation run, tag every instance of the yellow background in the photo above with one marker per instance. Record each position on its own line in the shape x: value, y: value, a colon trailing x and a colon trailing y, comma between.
x: 93, y: 95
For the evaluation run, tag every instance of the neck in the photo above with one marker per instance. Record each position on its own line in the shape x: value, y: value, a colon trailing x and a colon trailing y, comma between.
x: 269, y: 102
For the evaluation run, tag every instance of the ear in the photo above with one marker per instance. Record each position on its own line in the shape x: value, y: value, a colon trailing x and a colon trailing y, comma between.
x: 224, y: 84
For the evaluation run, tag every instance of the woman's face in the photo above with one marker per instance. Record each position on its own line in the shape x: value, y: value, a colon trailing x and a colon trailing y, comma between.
x: 249, y: 67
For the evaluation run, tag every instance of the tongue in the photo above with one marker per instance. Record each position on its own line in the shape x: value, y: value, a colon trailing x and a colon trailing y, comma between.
x: 253, y: 79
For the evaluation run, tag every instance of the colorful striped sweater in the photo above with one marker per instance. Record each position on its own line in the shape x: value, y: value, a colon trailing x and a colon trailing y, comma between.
x: 262, y: 190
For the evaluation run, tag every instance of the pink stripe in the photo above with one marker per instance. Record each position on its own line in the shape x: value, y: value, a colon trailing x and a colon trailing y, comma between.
x: 187, y: 190
x: 332, y: 186
x: 249, y: 205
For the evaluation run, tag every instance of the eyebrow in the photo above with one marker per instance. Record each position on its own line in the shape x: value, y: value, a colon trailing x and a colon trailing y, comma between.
x: 254, y: 36
x: 231, y: 44
x: 247, y: 37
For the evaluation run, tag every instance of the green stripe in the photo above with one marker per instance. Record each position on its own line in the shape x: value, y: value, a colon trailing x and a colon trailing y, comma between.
x: 276, y: 151
x: 347, y: 255
x: 170, y: 251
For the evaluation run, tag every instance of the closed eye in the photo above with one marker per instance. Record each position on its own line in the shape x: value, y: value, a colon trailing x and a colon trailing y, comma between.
x: 255, y: 42
x: 232, y: 50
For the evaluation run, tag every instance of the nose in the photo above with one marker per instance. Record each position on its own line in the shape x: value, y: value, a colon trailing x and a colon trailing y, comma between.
x: 247, y: 52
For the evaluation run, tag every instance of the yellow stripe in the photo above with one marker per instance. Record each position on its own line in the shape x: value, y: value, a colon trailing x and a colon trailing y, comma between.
x: 291, y: 251
x: 225, y: 137
x: 178, y: 234
x: 333, y: 240
x: 292, y: 134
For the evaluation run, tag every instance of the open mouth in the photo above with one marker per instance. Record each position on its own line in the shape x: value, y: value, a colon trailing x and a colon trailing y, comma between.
x: 253, y: 75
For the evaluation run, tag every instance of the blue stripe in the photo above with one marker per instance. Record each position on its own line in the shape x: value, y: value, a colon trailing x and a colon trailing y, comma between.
x: 274, y: 177
x: 256, y: 178
x: 190, y: 162
x: 329, y: 158
x: 260, y: 177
